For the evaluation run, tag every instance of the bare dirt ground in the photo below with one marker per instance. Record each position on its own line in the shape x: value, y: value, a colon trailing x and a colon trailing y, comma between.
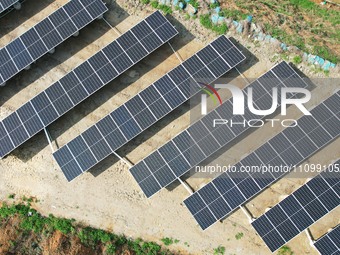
x: 107, y: 196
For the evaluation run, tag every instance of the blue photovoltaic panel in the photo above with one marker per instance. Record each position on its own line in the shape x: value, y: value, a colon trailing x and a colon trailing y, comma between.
x: 301, y: 209
x: 290, y: 147
x: 47, y: 34
x: 151, y: 104
x: 329, y: 244
x: 82, y: 82
x: 202, y: 139
x: 5, y: 4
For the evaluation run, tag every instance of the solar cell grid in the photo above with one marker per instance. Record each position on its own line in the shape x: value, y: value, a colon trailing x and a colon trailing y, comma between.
x: 207, y: 139
x: 73, y: 88
x: 150, y: 105
x: 299, y: 210
x: 5, y: 4
x: 47, y: 34
x: 238, y: 189
x: 329, y: 244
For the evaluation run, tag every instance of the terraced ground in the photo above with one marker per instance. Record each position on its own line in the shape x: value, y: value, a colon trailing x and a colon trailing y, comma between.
x: 308, y: 25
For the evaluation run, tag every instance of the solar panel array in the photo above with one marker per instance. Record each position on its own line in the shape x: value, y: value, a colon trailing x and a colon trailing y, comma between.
x: 47, y: 34
x: 5, y: 4
x: 150, y: 105
x: 84, y: 80
x: 301, y: 209
x: 290, y: 147
x: 329, y: 244
x: 201, y: 139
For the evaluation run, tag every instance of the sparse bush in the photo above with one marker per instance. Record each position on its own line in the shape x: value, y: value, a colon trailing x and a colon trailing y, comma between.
x: 154, y: 4
x: 234, y: 14
x: 92, y: 237
x: 207, y: 23
x: 220, y: 29
x: 11, y: 196
x: 214, y: 5
x: 297, y: 60
x: 323, y: 51
x: 220, y: 250
x: 110, y: 249
x: 168, y: 241
x: 194, y: 3
x: 65, y: 226
x: 285, y: 250
x: 164, y: 8
x: 141, y: 248
x: 145, y: 1
x: 239, y: 235
x: 31, y: 220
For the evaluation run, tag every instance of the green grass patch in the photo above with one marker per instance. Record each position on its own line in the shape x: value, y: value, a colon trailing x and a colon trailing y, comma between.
x: 206, y: 22
x: 297, y: 60
x: 234, y: 14
x: 154, y: 4
x: 325, y: 52
x: 194, y: 3
x: 166, y: 9
x: 332, y: 16
x: 214, y: 5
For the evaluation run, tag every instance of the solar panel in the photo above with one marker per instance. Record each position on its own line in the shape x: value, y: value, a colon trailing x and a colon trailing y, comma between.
x: 301, y: 209
x: 201, y: 139
x: 83, y: 81
x: 290, y: 147
x: 47, y: 34
x: 5, y: 4
x: 329, y: 244
x: 143, y: 110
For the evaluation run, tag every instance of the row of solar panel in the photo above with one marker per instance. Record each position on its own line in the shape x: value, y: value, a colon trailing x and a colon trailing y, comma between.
x: 202, y: 139
x: 47, y: 34
x: 329, y: 244
x: 301, y: 209
x: 143, y: 110
x: 290, y: 147
x: 84, y: 80
x: 5, y: 4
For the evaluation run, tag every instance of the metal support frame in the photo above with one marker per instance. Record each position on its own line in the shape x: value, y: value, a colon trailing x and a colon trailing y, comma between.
x: 48, y: 137
x: 247, y: 213
x: 243, y: 76
x: 176, y: 53
x: 11, y: 8
x: 113, y: 28
x: 310, y: 237
x: 186, y: 186
x: 123, y: 159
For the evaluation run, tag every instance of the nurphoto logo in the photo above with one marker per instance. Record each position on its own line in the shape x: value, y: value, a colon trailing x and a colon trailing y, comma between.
x: 239, y: 102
